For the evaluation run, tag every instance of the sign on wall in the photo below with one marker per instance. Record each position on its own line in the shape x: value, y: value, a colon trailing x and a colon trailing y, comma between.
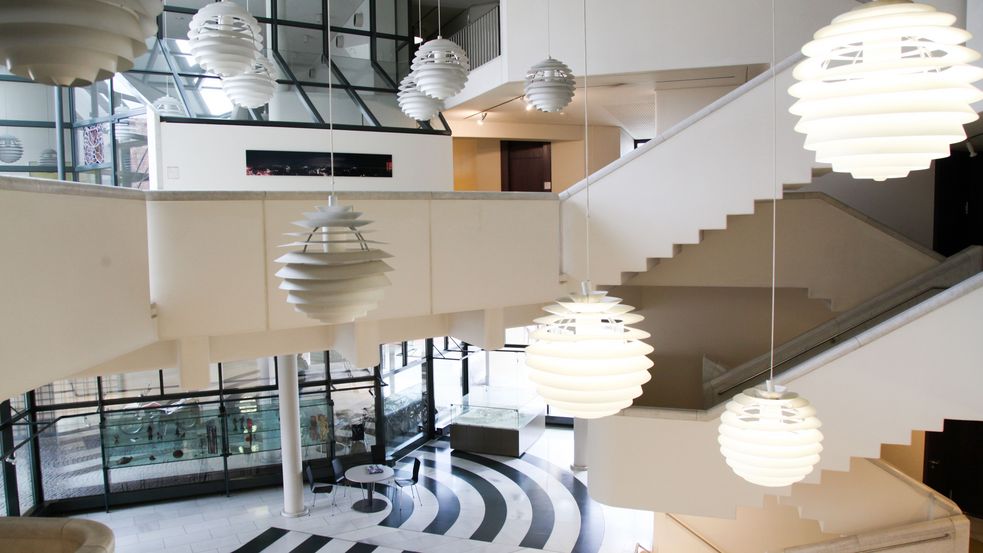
x: 317, y: 164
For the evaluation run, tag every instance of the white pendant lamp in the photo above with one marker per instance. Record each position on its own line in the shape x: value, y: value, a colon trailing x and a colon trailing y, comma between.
x: 328, y: 279
x: 585, y: 360
x: 337, y: 276
x: 441, y: 68
x: 770, y: 437
x: 73, y: 43
x: 48, y: 157
x: 885, y: 89
x: 11, y: 148
x: 549, y: 85
x: 169, y: 106
x: 225, y: 39
x: 415, y: 104
x: 252, y: 89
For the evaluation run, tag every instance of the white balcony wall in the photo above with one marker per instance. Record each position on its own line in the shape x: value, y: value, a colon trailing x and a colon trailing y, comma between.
x: 213, y: 157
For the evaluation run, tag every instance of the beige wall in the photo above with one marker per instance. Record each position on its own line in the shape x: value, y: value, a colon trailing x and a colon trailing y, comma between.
x: 478, y: 160
x: 909, y: 459
x: 728, y: 325
x: 478, y: 164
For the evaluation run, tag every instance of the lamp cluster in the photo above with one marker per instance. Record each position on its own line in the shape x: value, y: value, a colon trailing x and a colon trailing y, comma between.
x: 226, y: 40
x: 438, y: 72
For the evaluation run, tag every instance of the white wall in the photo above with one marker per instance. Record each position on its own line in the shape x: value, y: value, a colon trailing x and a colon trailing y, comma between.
x: 905, y: 205
x: 213, y: 157
x: 672, y: 106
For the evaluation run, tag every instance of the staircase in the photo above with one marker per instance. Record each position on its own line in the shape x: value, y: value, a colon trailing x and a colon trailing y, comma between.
x: 909, y: 372
x: 680, y: 184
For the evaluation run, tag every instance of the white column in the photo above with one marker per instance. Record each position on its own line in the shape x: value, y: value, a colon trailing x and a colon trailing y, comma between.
x: 579, y: 445
x: 289, y: 395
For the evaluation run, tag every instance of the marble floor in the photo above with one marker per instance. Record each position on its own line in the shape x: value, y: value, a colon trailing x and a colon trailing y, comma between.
x: 467, y: 503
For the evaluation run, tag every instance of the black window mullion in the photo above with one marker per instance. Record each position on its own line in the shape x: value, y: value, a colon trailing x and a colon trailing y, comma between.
x: 172, y: 65
x: 300, y: 89
x: 366, y: 112
x: 9, y: 469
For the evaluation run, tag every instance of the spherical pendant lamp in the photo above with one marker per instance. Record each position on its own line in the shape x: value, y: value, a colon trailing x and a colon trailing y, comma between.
x: 585, y: 360
x: 549, y: 85
x: 337, y: 275
x: 415, y: 104
x: 11, y: 148
x: 441, y: 68
x: 72, y: 43
x: 48, y: 157
x: 885, y: 89
x: 770, y: 437
x: 225, y: 39
x: 169, y: 106
x: 252, y: 89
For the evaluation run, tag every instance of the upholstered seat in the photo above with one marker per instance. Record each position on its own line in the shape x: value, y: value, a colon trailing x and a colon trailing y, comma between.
x: 55, y: 535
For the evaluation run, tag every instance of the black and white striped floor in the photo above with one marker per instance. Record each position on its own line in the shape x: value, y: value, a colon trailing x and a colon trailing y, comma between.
x: 468, y: 503
x: 528, y: 503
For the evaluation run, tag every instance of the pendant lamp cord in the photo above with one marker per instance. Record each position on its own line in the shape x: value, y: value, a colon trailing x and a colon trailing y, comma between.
x: 586, y: 154
x: 438, y: 20
x: 419, y: 19
x: 331, y: 101
x: 549, y: 53
x: 774, y: 194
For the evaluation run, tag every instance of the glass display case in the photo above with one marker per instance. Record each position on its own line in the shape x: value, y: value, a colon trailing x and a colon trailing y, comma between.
x: 500, y: 421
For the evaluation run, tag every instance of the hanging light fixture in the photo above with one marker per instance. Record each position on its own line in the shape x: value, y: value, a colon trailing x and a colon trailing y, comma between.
x: 328, y: 279
x: 11, y: 148
x: 415, y: 104
x: 585, y: 360
x: 72, y: 43
x: 225, y: 39
x: 549, y: 83
x: 254, y: 88
x: 48, y: 157
x: 441, y: 66
x: 768, y: 435
x: 169, y: 106
x: 885, y: 89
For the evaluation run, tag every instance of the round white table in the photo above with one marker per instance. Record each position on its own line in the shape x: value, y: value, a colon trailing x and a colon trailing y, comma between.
x: 361, y: 475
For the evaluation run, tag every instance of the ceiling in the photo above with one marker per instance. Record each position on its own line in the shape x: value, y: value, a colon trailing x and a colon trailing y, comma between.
x: 626, y: 100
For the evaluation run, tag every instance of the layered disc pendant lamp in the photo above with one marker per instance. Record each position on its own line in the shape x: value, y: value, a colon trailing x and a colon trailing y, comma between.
x: 549, y: 83
x: 585, y: 360
x: 885, y: 89
x: 768, y: 435
x: 412, y: 101
x: 225, y: 39
x: 337, y: 275
x: 72, y: 43
x: 440, y: 67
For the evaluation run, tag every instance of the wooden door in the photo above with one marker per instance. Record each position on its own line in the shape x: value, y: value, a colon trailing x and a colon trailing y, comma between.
x: 526, y: 166
x: 953, y: 459
x: 958, y: 203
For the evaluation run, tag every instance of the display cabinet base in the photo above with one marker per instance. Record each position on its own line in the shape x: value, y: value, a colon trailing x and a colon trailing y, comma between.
x: 510, y: 442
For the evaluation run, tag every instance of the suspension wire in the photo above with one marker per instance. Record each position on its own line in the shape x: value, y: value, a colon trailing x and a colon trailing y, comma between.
x: 438, y: 20
x: 419, y: 19
x: 331, y: 101
x: 586, y: 154
x: 549, y: 53
x: 774, y: 195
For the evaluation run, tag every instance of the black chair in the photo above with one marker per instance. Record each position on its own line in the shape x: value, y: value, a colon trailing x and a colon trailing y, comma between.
x: 338, y: 476
x: 411, y: 482
x: 316, y: 487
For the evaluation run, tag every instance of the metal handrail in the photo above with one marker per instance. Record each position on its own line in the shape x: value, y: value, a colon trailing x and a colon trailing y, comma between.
x: 481, y: 38
x: 692, y: 532
x: 831, y: 340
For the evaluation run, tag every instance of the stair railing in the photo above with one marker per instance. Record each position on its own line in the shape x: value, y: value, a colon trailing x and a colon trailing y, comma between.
x: 481, y: 38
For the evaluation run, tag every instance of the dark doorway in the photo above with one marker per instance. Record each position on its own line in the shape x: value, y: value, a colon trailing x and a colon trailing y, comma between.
x: 526, y: 166
x: 958, y: 203
x: 953, y: 460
